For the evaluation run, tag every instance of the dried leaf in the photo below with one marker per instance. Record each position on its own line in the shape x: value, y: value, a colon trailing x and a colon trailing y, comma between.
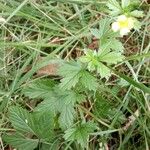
x: 50, y: 70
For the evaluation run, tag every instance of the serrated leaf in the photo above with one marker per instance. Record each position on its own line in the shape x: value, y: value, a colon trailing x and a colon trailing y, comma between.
x: 89, y: 81
x: 116, y: 45
x: 80, y: 133
x: 114, y: 6
x: 76, y: 73
x: 111, y: 45
x: 103, y: 70
x: 71, y: 74
x: 63, y: 103
x: 125, y: 3
x: 104, y: 27
x: 57, y: 100
x: 67, y: 116
x: 39, y: 88
x: 80, y: 98
x: 105, y: 47
x: 101, y: 106
x: 40, y: 124
x: 137, y: 25
x: 112, y: 58
x: 20, y: 142
x: 96, y: 33
x: 43, y: 125
x: 20, y: 119
x: 137, y: 13
x: 120, y: 116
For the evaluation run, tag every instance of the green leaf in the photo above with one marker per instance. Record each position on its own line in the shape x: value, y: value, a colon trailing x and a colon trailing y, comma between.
x: 137, y: 25
x: 39, y: 124
x: 104, y: 27
x: 80, y: 133
x: 120, y: 117
x: 132, y: 82
x: 94, y: 61
x: 20, y: 142
x: 101, y: 107
x: 43, y: 125
x: 62, y: 102
x: 71, y: 74
x: 74, y: 73
x: 103, y: 70
x: 111, y: 44
x: 39, y: 88
x: 90, y: 58
x: 57, y: 100
x: 112, y: 58
x: 116, y: 45
x: 20, y: 119
x: 61, y: 105
x: 89, y: 81
x: 80, y: 98
x: 67, y: 116
x: 114, y: 6
x: 125, y: 3
x: 137, y: 13
x: 96, y: 33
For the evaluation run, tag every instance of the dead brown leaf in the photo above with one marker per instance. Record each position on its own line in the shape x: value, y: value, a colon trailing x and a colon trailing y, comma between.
x: 50, y: 70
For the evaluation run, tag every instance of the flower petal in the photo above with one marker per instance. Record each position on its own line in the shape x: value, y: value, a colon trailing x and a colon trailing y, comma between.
x: 115, y: 26
x: 131, y: 23
x: 124, y: 31
x: 122, y: 18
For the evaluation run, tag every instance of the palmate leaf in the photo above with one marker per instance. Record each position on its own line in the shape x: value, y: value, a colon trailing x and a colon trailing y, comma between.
x: 80, y: 133
x: 55, y: 100
x: 58, y: 105
x: 73, y: 73
x: 116, y: 45
x: 125, y: 3
x: 70, y: 73
x: 114, y: 6
x: 104, y: 29
x: 20, y: 142
x: 64, y: 103
x: 111, y: 44
x: 95, y: 62
x: 58, y: 99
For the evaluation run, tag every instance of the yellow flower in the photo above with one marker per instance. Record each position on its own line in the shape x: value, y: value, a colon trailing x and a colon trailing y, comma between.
x: 123, y: 24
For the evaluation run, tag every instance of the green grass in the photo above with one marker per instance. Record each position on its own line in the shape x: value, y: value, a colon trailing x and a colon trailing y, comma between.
x: 28, y: 32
